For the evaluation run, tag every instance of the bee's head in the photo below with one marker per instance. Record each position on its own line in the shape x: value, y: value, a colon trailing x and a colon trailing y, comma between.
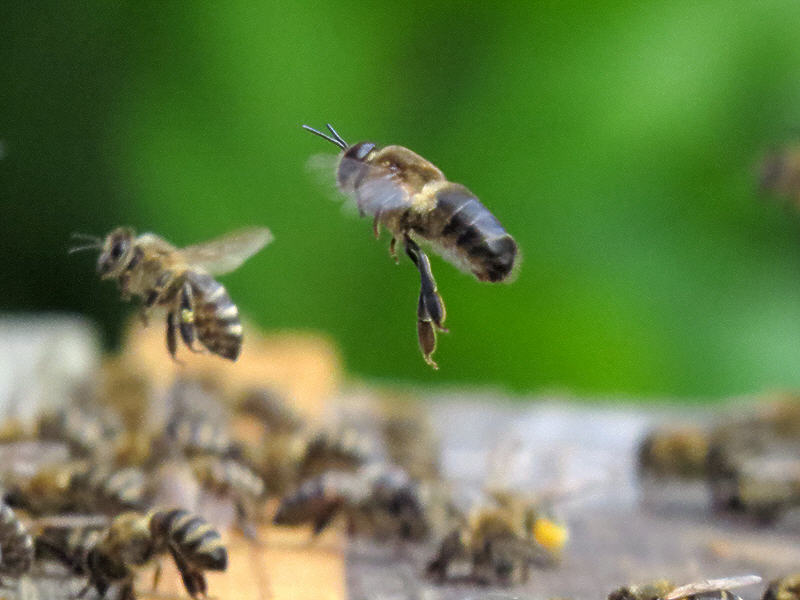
x: 116, y: 252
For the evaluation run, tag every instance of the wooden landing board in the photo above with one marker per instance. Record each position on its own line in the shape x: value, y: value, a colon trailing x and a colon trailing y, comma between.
x: 286, y: 565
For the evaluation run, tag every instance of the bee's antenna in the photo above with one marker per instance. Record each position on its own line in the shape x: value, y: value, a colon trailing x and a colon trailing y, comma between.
x: 336, y: 135
x: 337, y: 141
x: 95, y: 243
x: 75, y: 249
x: 86, y: 237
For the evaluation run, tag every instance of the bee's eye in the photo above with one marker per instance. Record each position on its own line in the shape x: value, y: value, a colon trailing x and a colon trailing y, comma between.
x: 118, y: 249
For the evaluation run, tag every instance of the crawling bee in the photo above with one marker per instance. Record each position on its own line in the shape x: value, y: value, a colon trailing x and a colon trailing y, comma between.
x: 674, y: 451
x: 337, y: 448
x: 785, y: 588
x: 112, y: 556
x: 86, y: 430
x: 16, y: 545
x: 180, y: 280
x: 709, y: 589
x: 411, y: 198
x: 378, y: 499
x: 271, y: 408
x: 498, y: 546
x: 227, y: 477
x: 82, y: 486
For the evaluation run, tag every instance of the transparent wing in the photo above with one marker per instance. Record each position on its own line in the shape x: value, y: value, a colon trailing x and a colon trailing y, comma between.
x: 379, y: 191
x: 226, y: 253
x: 712, y: 585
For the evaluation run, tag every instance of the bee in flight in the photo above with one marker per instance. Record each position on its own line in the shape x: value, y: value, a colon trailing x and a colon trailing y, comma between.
x: 411, y: 198
x: 180, y: 280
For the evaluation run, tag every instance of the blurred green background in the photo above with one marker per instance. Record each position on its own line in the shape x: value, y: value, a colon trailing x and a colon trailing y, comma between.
x: 617, y: 141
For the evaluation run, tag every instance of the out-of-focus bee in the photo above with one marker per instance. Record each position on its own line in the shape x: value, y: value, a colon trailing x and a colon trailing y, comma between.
x: 411, y: 198
x: 780, y: 173
x: 80, y: 486
x: 709, y: 589
x: 340, y: 448
x: 16, y: 545
x: 378, y: 499
x: 785, y: 588
x: 271, y: 408
x: 497, y: 545
x: 753, y: 465
x: 230, y: 478
x: 87, y: 428
x: 197, y: 423
x: 410, y: 440
x: 133, y: 540
x: 180, y: 280
x: 674, y: 451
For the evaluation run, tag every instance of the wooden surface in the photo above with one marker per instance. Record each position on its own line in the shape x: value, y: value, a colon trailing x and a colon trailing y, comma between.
x: 286, y: 564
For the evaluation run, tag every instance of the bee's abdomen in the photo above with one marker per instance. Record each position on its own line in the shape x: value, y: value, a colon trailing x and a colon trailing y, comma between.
x: 473, y: 233
x: 192, y: 537
x: 216, y: 318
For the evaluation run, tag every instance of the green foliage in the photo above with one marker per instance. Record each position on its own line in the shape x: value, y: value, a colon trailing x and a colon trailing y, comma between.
x: 616, y: 141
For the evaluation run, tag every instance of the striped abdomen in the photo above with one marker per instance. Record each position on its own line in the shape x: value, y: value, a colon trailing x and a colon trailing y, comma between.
x: 192, y: 537
x: 465, y: 227
x: 16, y: 544
x: 216, y: 318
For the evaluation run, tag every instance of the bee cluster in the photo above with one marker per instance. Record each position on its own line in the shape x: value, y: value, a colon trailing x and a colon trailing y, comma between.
x: 749, y: 463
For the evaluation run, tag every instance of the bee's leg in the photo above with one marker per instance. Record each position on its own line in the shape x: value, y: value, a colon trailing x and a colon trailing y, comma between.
x: 244, y: 517
x: 430, y: 309
x: 156, y: 575
x: 376, y: 226
x: 172, y: 340
x: 186, y: 320
x: 193, y: 579
x: 393, y: 250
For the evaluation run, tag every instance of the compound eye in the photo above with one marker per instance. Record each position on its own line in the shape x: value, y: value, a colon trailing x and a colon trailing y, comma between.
x: 118, y: 249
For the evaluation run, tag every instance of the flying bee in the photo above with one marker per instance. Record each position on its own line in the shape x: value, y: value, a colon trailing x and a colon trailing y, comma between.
x: 411, y: 198
x: 180, y: 280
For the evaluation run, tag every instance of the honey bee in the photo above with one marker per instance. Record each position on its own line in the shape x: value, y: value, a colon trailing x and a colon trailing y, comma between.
x: 16, y: 545
x: 80, y: 486
x: 272, y: 409
x: 498, y: 546
x: 378, y: 499
x: 411, y: 198
x: 674, y: 451
x: 180, y: 280
x: 709, y: 589
x: 112, y: 556
x: 780, y: 173
x: 785, y: 588
x: 86, y: 428
x: 230, y: 478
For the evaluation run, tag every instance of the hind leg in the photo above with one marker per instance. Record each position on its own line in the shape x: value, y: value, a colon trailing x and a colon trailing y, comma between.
x: 430, y: 308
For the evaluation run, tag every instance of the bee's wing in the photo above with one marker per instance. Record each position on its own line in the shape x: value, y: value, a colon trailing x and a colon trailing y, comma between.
x: 226, y: 253
x: 712, y: 585
x: 378, y: 192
